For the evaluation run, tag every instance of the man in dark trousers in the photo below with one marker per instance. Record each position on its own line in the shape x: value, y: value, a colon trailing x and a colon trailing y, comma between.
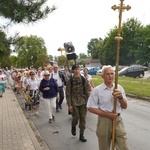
x: 60, y: 80
x: 77, y: 93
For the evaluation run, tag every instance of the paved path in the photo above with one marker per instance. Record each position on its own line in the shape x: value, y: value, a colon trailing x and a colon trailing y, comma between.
x: 15, y: 131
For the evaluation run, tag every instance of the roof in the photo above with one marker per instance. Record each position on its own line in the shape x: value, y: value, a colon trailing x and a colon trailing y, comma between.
x: 91, y: 60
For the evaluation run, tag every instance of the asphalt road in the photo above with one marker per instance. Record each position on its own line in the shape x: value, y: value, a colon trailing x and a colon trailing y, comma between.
x: 57, y: 135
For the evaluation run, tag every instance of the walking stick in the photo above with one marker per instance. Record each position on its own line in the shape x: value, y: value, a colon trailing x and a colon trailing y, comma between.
x: 118, y: 38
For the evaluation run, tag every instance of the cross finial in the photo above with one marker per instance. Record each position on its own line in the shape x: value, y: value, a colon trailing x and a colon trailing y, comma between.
x: 121, y: 7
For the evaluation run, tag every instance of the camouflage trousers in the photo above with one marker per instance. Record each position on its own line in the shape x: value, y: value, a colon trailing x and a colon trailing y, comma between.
x: 79, y: 113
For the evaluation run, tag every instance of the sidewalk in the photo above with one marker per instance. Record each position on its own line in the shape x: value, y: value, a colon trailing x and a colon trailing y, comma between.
x: 15, y: 131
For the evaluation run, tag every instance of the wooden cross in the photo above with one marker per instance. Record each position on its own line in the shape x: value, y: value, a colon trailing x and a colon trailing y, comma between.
x: 118, y: 38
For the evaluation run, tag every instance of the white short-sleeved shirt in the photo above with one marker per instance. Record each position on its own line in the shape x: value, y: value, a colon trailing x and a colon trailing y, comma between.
x: 89, y: 77
x: 33, y: 84
x: 58, y: 79
x: 39, y: 78
x: 1, y: 78
x: 101, y: 97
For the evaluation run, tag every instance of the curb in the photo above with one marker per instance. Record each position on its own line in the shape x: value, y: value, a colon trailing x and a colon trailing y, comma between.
x: 138, y: 97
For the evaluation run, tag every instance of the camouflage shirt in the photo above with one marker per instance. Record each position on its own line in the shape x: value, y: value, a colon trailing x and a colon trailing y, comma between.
x: 77, y: 93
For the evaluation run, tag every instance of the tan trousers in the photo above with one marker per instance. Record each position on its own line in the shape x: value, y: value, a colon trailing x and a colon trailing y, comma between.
x: 104, y: 134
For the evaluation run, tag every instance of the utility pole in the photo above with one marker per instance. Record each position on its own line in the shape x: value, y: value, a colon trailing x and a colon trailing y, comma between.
x: 118, y: 38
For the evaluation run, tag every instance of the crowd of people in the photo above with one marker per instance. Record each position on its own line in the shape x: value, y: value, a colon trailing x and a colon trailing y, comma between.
x: 52, y: 85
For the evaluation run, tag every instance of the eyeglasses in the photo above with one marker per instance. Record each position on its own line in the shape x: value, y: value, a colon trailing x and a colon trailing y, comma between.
x: 47, y: 75
x: 31, y: 74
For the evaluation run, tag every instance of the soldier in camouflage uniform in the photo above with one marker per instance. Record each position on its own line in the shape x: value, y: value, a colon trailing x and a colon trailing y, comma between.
x: 77, y: 93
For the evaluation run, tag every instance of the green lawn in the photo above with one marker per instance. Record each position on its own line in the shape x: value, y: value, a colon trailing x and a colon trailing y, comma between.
x: 136, y: 86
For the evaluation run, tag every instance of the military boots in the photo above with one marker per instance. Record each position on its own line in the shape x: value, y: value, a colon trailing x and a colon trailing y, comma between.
x: 73, y: 131
x: 82, y: 138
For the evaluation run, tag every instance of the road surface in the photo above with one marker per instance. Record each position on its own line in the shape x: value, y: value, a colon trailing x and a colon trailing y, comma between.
x: 57, y: 135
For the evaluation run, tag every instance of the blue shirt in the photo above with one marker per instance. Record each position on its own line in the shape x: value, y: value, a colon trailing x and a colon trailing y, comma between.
x: 52, y: 92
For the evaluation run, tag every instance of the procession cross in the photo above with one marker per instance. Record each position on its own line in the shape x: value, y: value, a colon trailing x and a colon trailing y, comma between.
x: 118, y: 38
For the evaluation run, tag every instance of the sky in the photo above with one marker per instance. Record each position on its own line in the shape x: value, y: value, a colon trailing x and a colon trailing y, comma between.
x: 79, y: 21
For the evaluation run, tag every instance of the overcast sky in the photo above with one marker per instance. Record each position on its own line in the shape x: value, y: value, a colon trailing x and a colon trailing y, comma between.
x: 79, y: 21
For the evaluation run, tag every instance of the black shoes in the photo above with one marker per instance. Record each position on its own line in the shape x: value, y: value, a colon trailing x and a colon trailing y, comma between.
x: 53, y: 118
x: 82, y: 138
x: 73, y: 131
x: 50, y: 120
x: 60, y: 106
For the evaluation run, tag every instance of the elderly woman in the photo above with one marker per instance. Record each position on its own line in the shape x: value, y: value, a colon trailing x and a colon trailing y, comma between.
x: 50, y: 92
x: 2, y: 82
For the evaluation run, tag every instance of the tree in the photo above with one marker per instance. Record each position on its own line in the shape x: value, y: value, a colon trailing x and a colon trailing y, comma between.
x: 42, y: 60
x: 19, y: 11
x: 4, y: 46
x: 128, y: 46
x: 62, y: 60
x: 82, y: 55
x: 142, y: 54
x: 24, y: 11
x: 13, y: 61
x: 50, y: 57
x: 94, y: 47
x: 108, y: 50
x: 28, y: 49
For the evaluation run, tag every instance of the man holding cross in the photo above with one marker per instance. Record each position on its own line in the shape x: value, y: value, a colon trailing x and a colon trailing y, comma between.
x: 101, y: 103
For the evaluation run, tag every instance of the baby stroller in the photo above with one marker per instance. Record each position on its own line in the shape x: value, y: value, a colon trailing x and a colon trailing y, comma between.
x: 32, y: 99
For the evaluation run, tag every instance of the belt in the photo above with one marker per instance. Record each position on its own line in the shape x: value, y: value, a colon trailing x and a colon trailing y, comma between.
x: 60, y: 87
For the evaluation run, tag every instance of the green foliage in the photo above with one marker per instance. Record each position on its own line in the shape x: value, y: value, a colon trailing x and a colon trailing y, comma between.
x: 13, y: 61
x: 4, y: 46
x: 29, y: 50
x: 134, y: 48
x: 19, y: 11
x: 50, y: 57
x: 24, y: 11
x: 62, y: 60
x: 42, y: 60
x: 94, y: 47
x: 129, y: 44
x: 82, y: 55
x: 108, y: 53
x: 142, y: 54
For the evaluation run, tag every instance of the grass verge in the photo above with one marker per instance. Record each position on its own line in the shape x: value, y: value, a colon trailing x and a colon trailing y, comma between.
x: 136, y: 86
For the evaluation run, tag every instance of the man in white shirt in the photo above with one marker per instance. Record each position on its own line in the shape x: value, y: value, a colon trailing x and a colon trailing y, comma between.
x: 60, y: 79
x: 101, y: 103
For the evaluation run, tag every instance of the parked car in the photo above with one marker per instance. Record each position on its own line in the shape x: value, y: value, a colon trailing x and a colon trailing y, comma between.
x: 132, y: 71
x: 99, y: 72
x: 91, y: 70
